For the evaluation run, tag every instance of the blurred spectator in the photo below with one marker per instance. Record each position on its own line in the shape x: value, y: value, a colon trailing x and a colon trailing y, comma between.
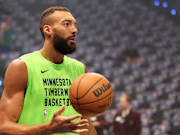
x: 127, y: 121
x: 100, y: 124
x: 5, y: 35
x: 132, y: 54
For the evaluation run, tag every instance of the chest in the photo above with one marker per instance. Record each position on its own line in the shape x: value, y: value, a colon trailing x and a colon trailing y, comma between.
x: 48, y: 82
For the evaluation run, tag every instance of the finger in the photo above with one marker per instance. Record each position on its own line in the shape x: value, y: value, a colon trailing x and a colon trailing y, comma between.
x: 74, y: 117
x: 85, y: 117
x: 83, y: 121
x: 71, y: 126
x: 83, y: 126
x: 59, y: 112
x: 79, y: 131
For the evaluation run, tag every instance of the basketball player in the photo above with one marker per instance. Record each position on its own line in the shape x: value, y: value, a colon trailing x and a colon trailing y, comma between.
x: 35, y: 97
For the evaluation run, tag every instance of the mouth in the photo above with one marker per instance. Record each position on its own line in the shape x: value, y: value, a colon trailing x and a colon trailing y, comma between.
x: 72, y: 40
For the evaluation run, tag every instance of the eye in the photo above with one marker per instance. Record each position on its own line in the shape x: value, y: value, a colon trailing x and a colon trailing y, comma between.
x: 66, y: 24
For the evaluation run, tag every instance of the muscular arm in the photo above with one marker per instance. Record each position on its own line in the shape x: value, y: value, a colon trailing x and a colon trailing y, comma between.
x: 12, y: 102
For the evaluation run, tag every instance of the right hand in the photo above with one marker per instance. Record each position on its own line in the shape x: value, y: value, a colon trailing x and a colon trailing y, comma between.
x: 61, y: 124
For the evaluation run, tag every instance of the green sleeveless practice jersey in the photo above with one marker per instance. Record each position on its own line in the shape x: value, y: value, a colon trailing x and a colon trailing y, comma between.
x: 48, y: 88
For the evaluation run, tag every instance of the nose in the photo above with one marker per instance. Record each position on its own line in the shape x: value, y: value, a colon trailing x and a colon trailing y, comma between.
x: 74, y: 30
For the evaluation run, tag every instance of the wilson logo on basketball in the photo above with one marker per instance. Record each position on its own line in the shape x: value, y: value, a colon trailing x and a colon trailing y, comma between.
x: 99, y: 91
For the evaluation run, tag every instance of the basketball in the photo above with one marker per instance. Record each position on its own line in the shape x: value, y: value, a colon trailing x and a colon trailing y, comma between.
x: 91, y: 94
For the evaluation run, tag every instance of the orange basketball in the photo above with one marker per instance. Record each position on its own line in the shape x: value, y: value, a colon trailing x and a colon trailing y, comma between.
x: 91, y: 94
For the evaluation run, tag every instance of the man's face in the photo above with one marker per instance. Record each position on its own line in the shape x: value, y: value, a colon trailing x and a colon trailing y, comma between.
x: 124, y: 104
x: 64, y: 32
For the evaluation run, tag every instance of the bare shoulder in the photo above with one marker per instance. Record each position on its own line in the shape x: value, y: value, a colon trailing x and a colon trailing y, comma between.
x: 16, y: 75
x: 15, y: 82
x: 17, y: 68
x: 17, y: 63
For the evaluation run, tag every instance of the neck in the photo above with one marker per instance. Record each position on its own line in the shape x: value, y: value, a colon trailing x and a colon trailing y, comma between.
x: 50, y: 53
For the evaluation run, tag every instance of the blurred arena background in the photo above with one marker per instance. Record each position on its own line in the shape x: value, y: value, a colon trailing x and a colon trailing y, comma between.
x: 108, y: 30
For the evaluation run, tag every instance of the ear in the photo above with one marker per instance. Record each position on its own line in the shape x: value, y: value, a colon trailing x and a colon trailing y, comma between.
x: 47, y: 30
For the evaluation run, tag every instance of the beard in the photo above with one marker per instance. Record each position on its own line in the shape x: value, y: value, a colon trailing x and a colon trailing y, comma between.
x: 61, y: 45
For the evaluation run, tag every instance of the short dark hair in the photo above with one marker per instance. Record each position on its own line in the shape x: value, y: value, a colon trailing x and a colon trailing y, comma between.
x: 48, y: 12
